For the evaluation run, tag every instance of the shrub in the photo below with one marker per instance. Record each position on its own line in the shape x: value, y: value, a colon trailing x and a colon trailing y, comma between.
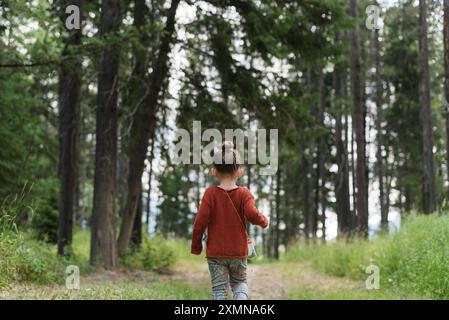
x: 154, y: 254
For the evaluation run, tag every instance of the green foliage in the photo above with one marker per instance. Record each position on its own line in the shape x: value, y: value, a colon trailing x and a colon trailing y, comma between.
x: 403, y: 128
x: 413, y: 260
x: 176, y: 216
x: 28, y: 137
x: 154, y: 254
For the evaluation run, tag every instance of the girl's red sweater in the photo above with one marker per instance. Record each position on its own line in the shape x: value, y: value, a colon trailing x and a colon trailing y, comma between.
x: 225, y: 233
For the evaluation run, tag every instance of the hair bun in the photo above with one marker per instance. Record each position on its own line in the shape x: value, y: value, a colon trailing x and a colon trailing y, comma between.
x: 227, y: 146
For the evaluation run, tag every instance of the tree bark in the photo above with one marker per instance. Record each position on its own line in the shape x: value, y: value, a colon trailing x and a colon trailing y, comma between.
x: 428, y: 189
x: 103, y: 242
x: 69, y: 124
x: 359, y: 122
x: 143, y: 125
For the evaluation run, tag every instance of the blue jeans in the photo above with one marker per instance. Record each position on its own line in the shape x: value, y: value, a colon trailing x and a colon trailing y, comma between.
x: 225, y: 272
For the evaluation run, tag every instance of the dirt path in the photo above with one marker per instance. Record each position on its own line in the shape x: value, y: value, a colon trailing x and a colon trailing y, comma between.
x: 190, y: 280
x: 266, y: 283
x: 273, y: 281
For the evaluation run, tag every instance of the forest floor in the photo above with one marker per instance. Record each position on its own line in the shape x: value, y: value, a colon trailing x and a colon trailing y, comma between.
x: 189, y: 279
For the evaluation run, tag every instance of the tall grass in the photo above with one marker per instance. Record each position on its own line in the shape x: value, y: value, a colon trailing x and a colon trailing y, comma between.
x: 23, y: 258
x: 415, y: 259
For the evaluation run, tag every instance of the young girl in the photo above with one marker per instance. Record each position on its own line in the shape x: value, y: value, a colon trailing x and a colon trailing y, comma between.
x: 223, y: 211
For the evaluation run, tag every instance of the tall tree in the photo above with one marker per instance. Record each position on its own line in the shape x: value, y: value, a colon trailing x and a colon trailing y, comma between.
x: 321, y: 171
x: 306, y: 168
x: 143, y: 126
x: 379, y: 128
x: 150, y: 177
x: 319, y: 151
x: 359, y: 124
x: 278, y: 219
x: 103, y: 240
x: 136, y: 234
x: 132, y: 101
x: 402, y: 120
x: 69, y: 123
x: 446, y: 76
x: 343, y: 206
x: 428, y: 183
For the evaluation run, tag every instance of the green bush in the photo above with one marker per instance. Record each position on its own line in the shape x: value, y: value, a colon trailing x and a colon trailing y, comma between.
x: 154, y: 254
x: 414, y: 260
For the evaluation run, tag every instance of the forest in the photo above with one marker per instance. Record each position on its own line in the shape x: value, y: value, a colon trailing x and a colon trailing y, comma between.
x: 93, y: 95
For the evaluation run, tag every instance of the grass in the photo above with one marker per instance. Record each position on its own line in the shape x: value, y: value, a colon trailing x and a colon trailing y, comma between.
x: 353, y: 294
x: 128, y: 286
x: 31, y: 269
x: 22, y: 258
x: 412, y: 263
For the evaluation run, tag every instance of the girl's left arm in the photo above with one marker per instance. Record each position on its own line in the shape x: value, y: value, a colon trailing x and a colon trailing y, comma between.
x: 251, y: 213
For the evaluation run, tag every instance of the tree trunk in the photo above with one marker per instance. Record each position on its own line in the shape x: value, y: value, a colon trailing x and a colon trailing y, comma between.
x: 428, y: 191
x: 150, y: 176
x: 343, y: 206
x: 269, y: 235
x: 310, y: 206
x: 351, y: 130
x: 306, y: 168
x: 136, y: 235
x: 321, y: 158
x: 248, y: 185
x: 319, y: 205
x: 103, y: 242
x: 278, y: 214
x: 69, y: 123
x: 143, y: 125
x: 79, y: 216
x: 122, y: 177
x: 379, y: 119
x: 349, y: 142
x: 446, y: 78
x: 359, y: 123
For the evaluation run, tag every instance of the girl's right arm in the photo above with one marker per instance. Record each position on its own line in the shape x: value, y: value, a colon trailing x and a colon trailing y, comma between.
x: 200, y: 225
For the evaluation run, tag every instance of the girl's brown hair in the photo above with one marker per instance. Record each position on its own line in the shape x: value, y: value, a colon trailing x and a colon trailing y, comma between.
x: 226, y: 159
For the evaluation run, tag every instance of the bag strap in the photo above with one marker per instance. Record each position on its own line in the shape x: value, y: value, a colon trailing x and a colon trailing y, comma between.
x: 237, y: 213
